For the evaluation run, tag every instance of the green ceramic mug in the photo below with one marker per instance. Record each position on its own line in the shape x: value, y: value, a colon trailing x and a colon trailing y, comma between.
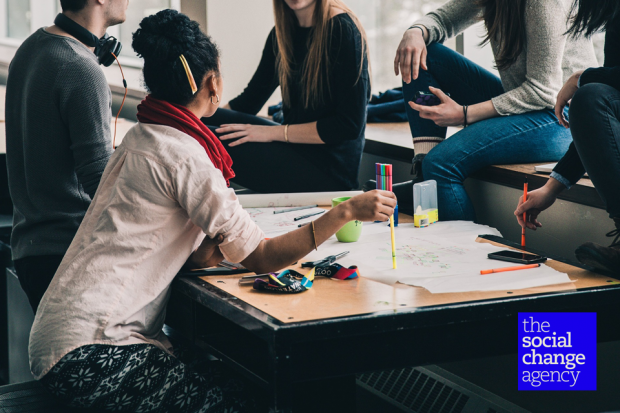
x: 351, y: 231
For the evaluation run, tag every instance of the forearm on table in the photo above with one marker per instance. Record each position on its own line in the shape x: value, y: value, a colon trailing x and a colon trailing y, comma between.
x: 280, y: 252
x: 481, y: 111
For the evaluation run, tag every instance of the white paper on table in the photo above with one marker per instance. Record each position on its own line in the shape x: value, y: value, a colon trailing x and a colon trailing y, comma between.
x: 510, y: 280
x: 279, y: 224
x: 293, y: 199
x: 373, y: 252
x: 443, y: 257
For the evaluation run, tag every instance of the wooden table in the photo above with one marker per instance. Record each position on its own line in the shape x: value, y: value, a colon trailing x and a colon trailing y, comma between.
x: 304, y: 350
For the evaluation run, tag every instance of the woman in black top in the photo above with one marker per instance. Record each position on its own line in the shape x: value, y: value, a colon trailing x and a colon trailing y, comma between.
x: 317, y: 54
x: 594, y: 96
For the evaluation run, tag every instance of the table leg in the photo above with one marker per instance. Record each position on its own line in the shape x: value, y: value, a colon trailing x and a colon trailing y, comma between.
x: 282, y: 384
x: 290, y: 395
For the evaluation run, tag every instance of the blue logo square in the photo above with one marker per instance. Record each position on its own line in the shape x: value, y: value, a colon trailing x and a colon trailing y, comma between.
x: 557, y: 351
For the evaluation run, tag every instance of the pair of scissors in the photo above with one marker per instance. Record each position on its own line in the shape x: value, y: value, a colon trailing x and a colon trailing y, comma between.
x: 325, y: 261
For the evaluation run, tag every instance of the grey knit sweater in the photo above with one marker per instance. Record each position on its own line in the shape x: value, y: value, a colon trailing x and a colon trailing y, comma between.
x: 548, y: 60
x: 58, y: 113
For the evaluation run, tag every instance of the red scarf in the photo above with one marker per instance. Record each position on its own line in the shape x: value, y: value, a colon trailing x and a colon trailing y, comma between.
x: 159, y: 112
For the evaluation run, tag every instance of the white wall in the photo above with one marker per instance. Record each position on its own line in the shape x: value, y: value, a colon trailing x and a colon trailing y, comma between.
x: 240, y: 28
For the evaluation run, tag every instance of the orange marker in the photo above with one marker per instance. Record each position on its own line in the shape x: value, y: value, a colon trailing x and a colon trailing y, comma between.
x: 520, y: 267
x: 524, y: 214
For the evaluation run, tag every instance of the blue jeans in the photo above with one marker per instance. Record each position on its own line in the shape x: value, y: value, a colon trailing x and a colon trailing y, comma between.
x: 595, y: 126
x: 525, y: 138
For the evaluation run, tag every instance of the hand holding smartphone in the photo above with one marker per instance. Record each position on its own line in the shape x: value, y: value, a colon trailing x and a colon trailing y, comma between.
x: 426, y: 99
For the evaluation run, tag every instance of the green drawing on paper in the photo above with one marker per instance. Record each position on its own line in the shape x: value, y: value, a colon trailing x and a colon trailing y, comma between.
x: 422, y: 256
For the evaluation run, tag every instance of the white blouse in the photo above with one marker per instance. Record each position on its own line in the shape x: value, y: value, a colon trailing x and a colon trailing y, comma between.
x: 158, y: 197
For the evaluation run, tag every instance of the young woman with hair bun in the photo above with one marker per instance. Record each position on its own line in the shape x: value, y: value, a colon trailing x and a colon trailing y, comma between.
x: 163, y: 202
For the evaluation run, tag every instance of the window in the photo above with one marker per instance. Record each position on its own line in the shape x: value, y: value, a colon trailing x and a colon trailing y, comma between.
x: 385, y: 21
x: 20, y: 18
x: 138, y: 10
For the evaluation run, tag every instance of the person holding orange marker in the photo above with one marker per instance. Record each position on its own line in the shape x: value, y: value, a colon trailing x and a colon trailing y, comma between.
x: 594, y: 123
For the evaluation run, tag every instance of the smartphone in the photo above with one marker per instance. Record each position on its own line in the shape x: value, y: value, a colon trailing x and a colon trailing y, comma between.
x: 518, y: 257
x: 426, y: 99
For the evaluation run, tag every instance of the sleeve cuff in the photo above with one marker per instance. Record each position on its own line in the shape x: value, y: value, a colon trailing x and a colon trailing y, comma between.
x: 239, y: 247
x: 430, y: 26
x: 501, y: 105
x: 561, y: 179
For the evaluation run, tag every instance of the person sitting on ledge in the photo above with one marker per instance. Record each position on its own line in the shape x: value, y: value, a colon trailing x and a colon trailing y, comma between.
x: 594, y: 97
x: 508, y: 119
x: 318, y: 55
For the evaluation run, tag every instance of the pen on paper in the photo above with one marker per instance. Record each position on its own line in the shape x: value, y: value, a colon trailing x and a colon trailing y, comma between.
x: 281, y: 211
x: 307, y: 216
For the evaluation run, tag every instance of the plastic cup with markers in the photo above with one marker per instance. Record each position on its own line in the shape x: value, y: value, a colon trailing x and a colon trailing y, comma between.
x: 351, y: 231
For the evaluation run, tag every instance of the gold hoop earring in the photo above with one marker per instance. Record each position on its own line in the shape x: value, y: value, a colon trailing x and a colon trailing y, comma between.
x: 218, y: 99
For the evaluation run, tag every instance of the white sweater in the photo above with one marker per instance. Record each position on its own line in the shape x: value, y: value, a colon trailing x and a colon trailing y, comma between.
x: 549, y: 58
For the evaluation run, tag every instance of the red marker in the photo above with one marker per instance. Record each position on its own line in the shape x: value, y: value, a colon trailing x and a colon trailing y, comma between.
x: 524, y: 214
x: 520, y: 267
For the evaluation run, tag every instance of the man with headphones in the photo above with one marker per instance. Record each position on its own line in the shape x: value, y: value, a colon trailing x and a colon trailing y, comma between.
x: 58, y: 115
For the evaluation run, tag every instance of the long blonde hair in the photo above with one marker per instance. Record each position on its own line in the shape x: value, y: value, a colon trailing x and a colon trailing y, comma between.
x: 316, y: 67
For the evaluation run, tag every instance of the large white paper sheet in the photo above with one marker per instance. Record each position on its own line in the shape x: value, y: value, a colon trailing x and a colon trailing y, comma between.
x: 443, y: 258
x: 512, y: 280
x: 291, y: 200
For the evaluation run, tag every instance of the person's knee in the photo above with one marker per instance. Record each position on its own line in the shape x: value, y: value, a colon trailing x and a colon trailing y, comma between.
x: 442, y: 164
x: 434, y: 166
x: 434, y: 52
x: 591, y: 107
x: 590, y: 102
x: 436, y: 49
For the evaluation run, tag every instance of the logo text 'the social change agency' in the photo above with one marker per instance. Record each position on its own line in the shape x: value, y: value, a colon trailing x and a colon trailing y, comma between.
x: 557, y: 351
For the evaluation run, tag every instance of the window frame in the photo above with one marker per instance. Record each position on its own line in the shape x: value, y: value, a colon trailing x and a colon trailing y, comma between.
x: 39, y: 10
x: 136, y: 62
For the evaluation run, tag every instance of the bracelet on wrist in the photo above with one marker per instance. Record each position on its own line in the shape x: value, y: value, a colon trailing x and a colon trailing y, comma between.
x: 415, y: 26
x: 465, y: 108
x: 286, y: 133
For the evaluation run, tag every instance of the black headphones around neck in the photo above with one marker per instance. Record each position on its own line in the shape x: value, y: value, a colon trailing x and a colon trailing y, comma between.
x: 105, y: 48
